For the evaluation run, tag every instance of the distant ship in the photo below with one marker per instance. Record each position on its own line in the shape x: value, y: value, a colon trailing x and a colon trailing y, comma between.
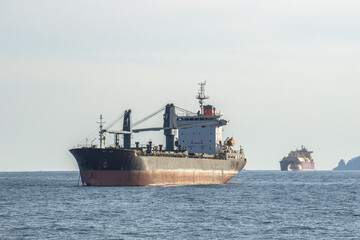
x: 197, y: 156
x: 299, y: 160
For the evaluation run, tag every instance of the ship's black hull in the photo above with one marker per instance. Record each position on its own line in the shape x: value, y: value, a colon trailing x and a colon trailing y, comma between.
x: 122, y: 167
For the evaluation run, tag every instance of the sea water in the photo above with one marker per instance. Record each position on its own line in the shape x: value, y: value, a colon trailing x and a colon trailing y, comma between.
x: 254, y: 205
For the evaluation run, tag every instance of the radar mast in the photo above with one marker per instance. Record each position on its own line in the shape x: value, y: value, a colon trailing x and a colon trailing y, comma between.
x: 201, y: 96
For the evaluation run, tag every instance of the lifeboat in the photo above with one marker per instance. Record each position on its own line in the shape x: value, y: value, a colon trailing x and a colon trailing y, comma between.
x: 230, y: 142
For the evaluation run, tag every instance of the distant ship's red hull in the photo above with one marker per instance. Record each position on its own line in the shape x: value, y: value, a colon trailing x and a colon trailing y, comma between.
x: 298, y: 166
x: 299, y: 160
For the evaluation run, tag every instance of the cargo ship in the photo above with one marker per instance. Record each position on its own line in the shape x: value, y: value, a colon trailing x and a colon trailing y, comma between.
x: 194, y: 154
x: 299, y: 160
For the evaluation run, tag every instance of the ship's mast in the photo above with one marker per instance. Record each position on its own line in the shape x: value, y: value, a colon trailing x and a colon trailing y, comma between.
x: 101, y: 130
x: 201, y: 96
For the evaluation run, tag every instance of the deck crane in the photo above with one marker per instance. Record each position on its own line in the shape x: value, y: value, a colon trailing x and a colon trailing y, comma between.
x: 170, y: 126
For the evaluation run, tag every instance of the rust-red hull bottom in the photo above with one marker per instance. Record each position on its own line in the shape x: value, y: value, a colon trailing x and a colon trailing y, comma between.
x: 153, y: 178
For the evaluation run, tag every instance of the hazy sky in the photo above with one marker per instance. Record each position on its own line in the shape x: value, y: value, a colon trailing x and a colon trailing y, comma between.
x: 285, y: 73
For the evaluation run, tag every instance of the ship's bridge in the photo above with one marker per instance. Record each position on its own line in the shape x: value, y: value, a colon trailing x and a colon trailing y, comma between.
x: 204, y: 135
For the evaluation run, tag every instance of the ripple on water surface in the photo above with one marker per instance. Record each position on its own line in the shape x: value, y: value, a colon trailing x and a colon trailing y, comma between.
x: 254, y: 205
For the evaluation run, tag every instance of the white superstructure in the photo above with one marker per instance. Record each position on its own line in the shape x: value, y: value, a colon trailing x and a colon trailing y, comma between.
x: 204, y: 138
x: 204, y: 134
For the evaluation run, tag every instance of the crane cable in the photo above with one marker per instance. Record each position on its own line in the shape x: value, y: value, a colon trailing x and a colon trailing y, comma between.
x: 97, y: 129
x: 138, y: 122
x: 115, y: 121
x: 146, y: 118
x: 186, y: 111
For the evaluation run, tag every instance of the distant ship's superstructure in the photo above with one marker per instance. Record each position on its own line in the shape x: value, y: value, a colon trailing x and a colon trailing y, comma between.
x: 197, y: 156
x: 299, y: 160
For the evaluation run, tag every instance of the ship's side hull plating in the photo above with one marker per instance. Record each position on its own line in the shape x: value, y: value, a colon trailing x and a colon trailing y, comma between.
x: 119, y: 167
x: 153, y: 178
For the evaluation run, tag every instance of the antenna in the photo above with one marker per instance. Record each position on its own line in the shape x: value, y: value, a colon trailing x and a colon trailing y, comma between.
x: 201, y: 96
x: 101, y: 131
